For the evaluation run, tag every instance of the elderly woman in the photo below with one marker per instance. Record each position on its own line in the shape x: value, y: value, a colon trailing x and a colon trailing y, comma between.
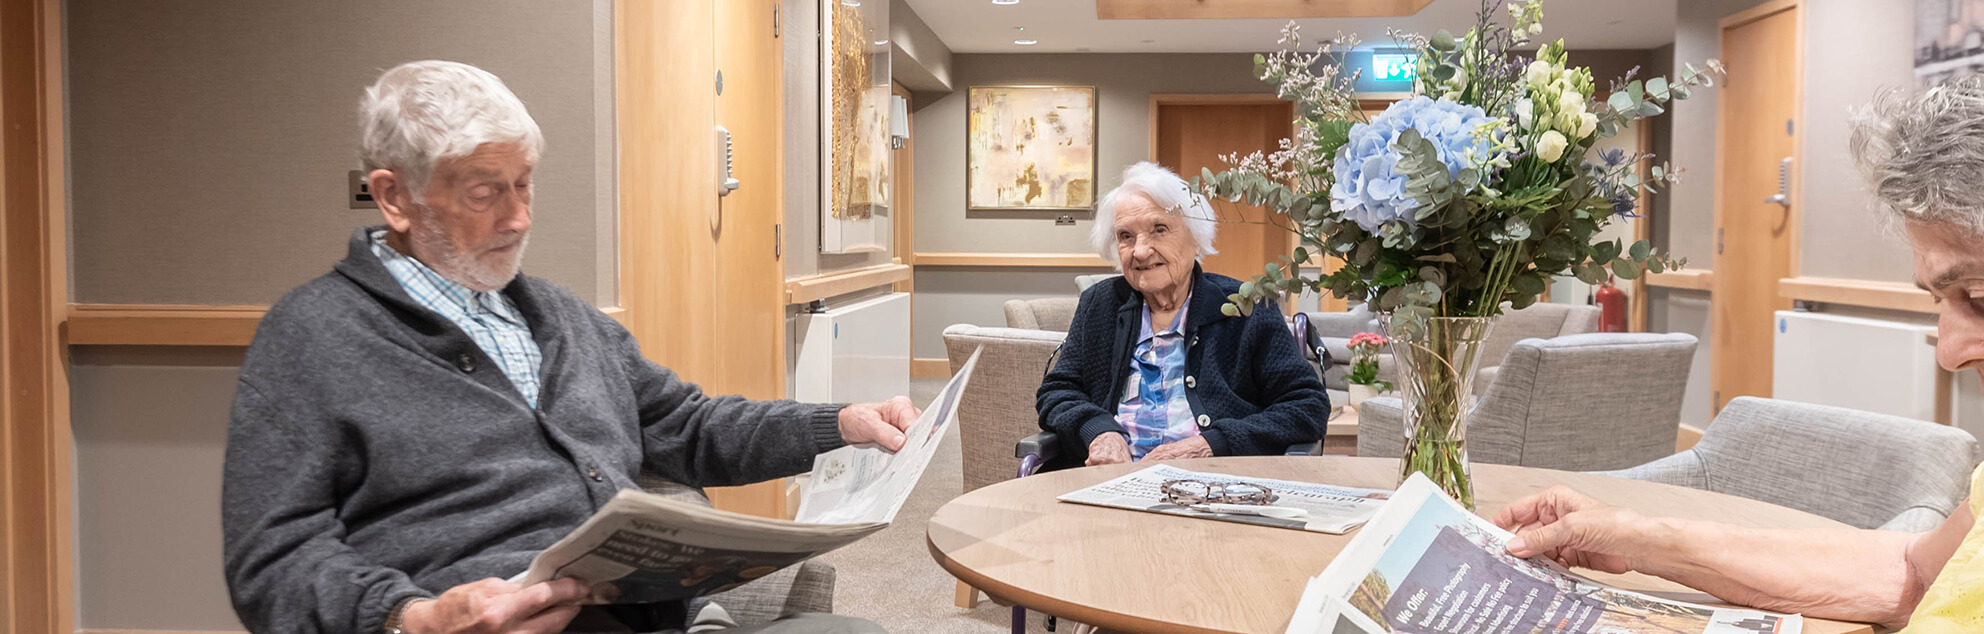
x: 1152, y: 369
x: 1924, y: 157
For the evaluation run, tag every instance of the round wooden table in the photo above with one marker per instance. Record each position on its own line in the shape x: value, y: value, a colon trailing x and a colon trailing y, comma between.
x: 1148, y: 572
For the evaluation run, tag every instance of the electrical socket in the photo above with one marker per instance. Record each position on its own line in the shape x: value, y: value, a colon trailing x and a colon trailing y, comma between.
x: 359, y: 192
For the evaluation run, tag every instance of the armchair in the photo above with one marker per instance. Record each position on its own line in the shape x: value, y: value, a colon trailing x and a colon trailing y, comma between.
x: 1865, y: 469
x: 1047, y: 313
x: 1578, y: 403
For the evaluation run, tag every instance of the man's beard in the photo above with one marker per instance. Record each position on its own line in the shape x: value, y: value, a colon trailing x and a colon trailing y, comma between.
x: 462, y: 266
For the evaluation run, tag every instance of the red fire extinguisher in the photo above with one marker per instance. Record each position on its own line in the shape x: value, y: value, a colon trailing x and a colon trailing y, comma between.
x: 1611, y: 307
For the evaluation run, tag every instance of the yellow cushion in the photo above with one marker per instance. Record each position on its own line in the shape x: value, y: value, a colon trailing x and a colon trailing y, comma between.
x: 1955, y: 603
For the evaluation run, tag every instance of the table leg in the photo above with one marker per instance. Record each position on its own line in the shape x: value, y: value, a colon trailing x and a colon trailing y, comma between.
x: 967, y: 597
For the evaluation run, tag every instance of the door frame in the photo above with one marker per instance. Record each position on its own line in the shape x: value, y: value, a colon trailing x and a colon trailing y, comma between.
x: 1794, y: 223
x: 37, y: 561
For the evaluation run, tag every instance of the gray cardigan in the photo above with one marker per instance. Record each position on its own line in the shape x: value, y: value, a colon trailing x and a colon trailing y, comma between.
x: 375, y: 453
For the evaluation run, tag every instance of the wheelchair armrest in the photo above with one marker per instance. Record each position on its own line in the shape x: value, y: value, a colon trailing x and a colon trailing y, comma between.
x: 1034, y: 451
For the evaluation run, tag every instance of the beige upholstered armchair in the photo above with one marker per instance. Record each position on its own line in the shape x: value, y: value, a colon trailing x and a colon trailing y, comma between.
x: 997, y: 408
x: 1047, y: 313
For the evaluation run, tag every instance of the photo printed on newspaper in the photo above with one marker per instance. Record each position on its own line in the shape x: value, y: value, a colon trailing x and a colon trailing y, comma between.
x: 1315, y: 507
x: 1424, y: 565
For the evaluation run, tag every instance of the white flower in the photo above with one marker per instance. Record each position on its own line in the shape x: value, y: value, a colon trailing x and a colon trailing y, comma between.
x: 1571, y: 102
x: 1587, y: 123
x: 1525, y: 114
x: 1551, y: 147
x: 1536, y: 29
x: 1450, y: 96
x: 1539, y: 73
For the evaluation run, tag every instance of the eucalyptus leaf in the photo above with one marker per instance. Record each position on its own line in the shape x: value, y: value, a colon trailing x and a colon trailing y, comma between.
x: 1641, y: 250
x: 1625, y: 269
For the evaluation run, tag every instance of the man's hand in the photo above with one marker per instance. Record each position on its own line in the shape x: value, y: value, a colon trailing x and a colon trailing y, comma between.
x: 1109, y: 448
x: 1576, y: 531
x: 878, y: 423
x: 495, y: 605
x: 1194, y: 447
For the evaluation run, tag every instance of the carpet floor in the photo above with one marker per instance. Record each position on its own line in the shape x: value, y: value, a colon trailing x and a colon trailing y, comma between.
x: 890, y: 578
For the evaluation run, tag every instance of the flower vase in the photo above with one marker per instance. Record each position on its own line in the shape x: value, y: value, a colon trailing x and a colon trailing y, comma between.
x: 1435, y: 367
x: 1360, y: 392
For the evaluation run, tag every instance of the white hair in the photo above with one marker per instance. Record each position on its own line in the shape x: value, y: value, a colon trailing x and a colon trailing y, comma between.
x: 421, y: 113
x: 1163, y: 188
x: 1923, y: 154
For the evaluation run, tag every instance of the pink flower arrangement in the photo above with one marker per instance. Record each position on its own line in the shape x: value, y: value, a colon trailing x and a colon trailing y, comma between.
x: 1364, y: 347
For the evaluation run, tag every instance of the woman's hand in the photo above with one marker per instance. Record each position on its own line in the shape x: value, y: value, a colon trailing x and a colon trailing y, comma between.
x: 1576, y: 531
x: 1194, y: 447
x: 1110, y: 448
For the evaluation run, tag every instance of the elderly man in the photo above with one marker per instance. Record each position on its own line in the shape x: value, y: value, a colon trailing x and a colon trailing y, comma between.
x: 1924, y: 157
x: 1152, y: 370
x: 414, y: 426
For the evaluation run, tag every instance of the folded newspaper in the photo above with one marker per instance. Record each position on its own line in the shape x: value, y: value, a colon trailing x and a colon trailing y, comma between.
x: 1301, y: 505
x: 1426, y: 566
x: 643, y: 547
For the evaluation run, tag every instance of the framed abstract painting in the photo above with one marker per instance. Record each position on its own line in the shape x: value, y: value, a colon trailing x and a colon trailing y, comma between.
x: 1030, y: 148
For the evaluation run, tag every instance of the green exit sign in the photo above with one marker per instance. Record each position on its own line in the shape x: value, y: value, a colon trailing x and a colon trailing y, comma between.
x: 1393, y: 67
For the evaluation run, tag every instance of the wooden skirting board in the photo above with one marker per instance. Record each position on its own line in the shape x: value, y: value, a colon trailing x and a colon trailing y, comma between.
x: 176, y: 324
x: 1036, y: 260
x: 819, y: 287
x: 929, y: 368
x: 1865, y: 293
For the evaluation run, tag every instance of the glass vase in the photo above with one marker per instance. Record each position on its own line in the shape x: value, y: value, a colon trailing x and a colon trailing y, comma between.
x: 1435, y: 378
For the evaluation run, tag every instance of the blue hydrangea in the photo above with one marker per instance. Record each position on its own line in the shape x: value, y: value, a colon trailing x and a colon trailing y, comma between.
x: 1368, y: 189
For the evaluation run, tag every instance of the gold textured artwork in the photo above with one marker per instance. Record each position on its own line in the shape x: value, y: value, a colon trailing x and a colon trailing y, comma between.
x: 859, y: 124
x: 1030, y: 147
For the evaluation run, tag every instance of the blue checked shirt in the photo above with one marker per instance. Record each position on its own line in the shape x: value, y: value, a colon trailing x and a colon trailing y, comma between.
x: 489, y: 317
x: 1154, y: 410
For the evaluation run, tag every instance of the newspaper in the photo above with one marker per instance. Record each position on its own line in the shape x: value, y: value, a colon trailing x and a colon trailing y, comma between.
x: 642, y: 547
x: 1426, y: 566
x: 870, y: 484
x: 1315, y: 507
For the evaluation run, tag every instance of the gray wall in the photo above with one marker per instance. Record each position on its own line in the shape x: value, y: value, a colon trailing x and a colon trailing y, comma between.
x: 209, y: 142
x: 1842, y: 236
x: 1123, y: 86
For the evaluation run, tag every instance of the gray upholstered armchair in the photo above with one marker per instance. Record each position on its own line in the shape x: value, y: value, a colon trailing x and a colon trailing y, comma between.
x: 807, y: 587
x: 1864, y: 469
x: 1047, y: 313
x: 1578, y: 403
x: 997, y: 408
x: 1538, y: 321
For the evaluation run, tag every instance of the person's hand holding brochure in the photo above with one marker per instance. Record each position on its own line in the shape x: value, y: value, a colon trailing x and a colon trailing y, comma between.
x: 1301, y: 505
x: 643, y: 547
x: 1424, y: 565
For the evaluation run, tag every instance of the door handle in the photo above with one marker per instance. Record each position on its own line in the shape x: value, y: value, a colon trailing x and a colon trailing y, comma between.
x: 1783, y: 195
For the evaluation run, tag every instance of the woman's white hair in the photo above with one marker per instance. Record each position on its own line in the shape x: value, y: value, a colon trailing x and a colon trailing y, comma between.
x: 1923, y: 153
x: 1169, y: 192
x: 421, y: 113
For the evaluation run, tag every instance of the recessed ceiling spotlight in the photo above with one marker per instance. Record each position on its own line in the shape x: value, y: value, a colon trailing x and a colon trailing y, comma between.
x: 1004, y: 2
x: 1026, y: 42
x: 881, y: 42
x: 850, y: 3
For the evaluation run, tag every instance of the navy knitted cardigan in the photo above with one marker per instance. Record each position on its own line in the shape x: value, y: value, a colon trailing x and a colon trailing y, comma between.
x: 1246, y: 380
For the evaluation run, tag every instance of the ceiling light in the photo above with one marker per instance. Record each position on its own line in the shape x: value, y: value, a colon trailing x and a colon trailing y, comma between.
x: 1026, y: 42
x: 881, y: 42
x: 850, y: 3
x: 1005, y: 1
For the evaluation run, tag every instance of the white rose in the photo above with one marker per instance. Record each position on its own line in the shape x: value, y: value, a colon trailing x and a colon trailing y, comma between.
x: 1551, y: 147
x: 1525, y: 114
x: 1571, y: 101
x: 1539, y: 73
x: 1587, y: 123
x: 1536, y: 29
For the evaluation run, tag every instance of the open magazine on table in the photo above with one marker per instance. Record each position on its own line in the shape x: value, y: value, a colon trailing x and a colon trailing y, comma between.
x: 1425, y: 565
x: 1309, y: 506
x: 644, y: 547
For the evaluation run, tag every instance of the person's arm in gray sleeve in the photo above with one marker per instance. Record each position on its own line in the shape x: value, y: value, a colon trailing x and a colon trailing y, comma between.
x: 288, y: 568
x: 702, y: 441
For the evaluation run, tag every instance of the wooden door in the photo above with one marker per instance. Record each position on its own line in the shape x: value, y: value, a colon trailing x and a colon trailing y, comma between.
x: 700, y: 275
x: 1754, y: 235
x: 749, y: 306
x: 1193, y: 136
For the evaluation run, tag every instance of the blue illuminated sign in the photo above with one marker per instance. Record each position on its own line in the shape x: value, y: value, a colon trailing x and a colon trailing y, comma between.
x: 1393, y: 67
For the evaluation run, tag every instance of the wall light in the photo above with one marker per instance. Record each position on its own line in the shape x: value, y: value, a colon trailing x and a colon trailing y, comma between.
x: 1005, y: 2
x: 1026, y: 42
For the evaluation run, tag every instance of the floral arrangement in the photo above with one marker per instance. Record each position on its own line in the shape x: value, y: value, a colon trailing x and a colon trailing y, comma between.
x: 1475, y: 191
x: 1471, y: 194
x: 1364, y: 347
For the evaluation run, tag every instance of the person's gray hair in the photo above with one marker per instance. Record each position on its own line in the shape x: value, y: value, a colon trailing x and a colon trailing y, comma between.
x: 1923, y: 153
x: 421, y: 113
x: 1169, y: 192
